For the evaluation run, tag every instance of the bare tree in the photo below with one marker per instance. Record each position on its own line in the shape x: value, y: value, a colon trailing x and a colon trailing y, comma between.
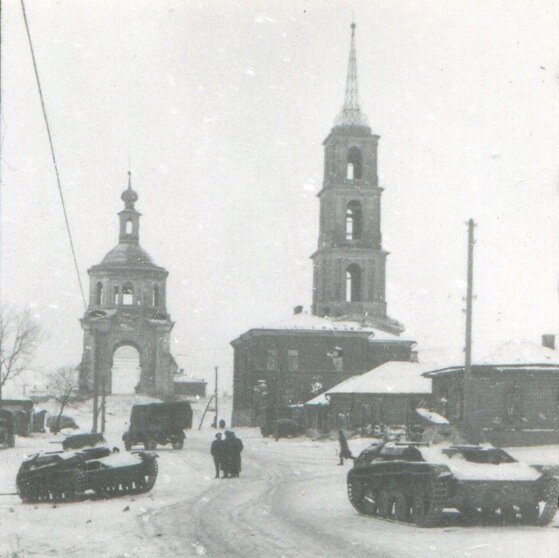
x: 20, y: 335
x: 63, y: 385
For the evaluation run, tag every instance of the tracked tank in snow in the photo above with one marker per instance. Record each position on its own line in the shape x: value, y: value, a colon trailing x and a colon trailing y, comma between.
x: 416, y: 483
x: 98, y: 472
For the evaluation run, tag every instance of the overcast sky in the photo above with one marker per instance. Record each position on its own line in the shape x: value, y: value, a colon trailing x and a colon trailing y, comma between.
x: 221, y: 108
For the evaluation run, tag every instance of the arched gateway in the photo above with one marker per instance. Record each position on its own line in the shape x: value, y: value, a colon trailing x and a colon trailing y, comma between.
x: 127, y: 295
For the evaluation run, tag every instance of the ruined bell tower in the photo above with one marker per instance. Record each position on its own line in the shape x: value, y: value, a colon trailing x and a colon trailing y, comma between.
x: 127, y: 307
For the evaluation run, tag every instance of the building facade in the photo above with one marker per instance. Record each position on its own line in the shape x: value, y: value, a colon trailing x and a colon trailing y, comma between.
x: 288, y: 363
x: 127, y: 306
x: 388, y: 395
x: 514, y: 396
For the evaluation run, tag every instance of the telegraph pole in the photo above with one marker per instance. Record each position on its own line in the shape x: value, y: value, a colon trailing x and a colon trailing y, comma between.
x: 95, y: 399
x: 467, y: 388
x: 216, y: 398
x: 103, y: 403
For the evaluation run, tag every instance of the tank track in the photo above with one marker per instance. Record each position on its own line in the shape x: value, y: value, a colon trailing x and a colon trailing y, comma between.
x: 551, y: 498
x: 139, y: 484
x: 73, y: 487
x: 68, y: 491
x: 434, y: 503
x: 439, y: 496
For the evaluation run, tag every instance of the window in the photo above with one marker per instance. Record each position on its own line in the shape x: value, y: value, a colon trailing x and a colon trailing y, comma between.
x: 115, y: 296
x: 289, y: 396
x: 354, y: 164
x: 353, y: 222
x: 513, y: 405
x: 292, y: 360
x: 272, y: 361
x: 129, y: 226
x: 155, y: 295
x: 127, y: 294
x: 353, y: 283
x: 99, y: 293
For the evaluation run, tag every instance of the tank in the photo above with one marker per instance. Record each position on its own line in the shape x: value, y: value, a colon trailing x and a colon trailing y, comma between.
x: 97, y: 472
x: 416, y: 483
x: 158, y: 423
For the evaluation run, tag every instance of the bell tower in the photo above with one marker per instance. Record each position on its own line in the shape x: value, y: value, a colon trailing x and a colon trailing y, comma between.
x: 127, y: 307
x: 349, y: 278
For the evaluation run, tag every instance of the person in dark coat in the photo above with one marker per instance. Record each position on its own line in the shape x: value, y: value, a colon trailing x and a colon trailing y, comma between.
x: 218, y: 453
x: 344, y: 452
x: 233, y: 449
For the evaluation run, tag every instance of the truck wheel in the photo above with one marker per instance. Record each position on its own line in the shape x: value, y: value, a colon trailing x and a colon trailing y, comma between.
x: 177, y: 442
x: 150, y: 444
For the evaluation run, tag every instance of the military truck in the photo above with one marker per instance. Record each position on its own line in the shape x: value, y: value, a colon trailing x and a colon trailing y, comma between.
x: 158, y: 423
x: 416, y: 483
x: 7, y: 429
x: 22, y: 411
x: 70, y: 476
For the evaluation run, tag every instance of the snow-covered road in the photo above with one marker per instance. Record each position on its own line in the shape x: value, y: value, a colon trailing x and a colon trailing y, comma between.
x: 290, y: 501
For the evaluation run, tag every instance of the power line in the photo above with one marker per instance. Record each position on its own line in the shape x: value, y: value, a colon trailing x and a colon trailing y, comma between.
x: 52, y: 152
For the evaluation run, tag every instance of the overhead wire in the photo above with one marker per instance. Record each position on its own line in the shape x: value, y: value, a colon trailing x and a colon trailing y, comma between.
x: 58, y: 181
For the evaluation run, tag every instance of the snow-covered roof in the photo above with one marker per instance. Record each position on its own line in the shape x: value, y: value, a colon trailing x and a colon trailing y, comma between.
x: 432, y: 417
x: 188, y: 380
x: 309, y: 322
x: 514, y: 353
x: 319, y: 400
x: 391, y: 377
x: 519, y: 351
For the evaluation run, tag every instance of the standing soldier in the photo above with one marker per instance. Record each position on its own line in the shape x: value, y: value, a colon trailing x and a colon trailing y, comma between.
x: 344, y: 452
x: 234, y: 447
x: 217, y: 451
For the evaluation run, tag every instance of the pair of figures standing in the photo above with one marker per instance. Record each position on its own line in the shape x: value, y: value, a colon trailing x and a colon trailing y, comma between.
x: 226, y: 454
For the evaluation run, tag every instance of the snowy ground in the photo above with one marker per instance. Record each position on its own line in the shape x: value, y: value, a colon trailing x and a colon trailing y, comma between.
x: 290, y: 501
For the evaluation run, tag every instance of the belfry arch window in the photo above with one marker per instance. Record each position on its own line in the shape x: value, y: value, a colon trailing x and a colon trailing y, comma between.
x: 354, y: 164
x: 353, y: 283
x: 99, y: 293
x: 353, y: 221
x: 129, y: 226
x: 155, y: 296
x: 127, y: 294
x: 115, y: 296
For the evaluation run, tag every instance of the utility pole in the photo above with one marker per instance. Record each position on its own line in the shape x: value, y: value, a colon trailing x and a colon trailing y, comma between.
x: 216, y: 398
x: 103, y: 403
x: 95, y: 400
x: 467, y: 387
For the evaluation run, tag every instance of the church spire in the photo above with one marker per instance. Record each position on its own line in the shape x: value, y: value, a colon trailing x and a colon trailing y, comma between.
x: 351, y: 114
x: 129, y: 217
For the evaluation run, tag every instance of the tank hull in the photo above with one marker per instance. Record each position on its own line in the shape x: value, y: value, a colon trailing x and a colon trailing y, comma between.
x: 60, y: 477
x: 419, y: 492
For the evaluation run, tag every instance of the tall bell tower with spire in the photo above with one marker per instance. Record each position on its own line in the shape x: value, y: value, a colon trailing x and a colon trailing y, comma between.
x: 349, y: 278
